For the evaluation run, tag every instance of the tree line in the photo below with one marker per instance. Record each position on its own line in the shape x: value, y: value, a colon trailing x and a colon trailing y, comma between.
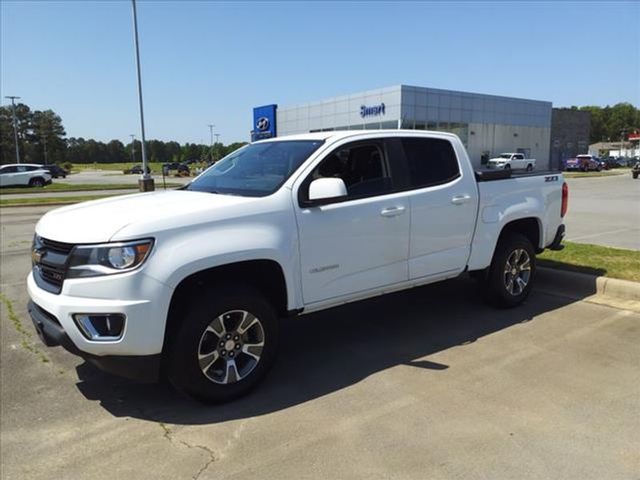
x: 611, y: 123
x: 41, y: 139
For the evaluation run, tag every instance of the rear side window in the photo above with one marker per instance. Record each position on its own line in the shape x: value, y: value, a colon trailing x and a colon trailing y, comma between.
x: 431, y: 161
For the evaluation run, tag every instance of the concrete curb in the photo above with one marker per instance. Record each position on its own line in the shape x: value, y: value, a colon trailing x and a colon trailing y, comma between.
x: 581, y: 285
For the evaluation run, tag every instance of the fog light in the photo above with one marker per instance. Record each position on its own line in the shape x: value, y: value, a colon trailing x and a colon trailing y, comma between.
x: 100, y: 327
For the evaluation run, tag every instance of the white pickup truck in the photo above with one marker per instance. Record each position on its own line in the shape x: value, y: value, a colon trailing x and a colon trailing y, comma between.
x: 512, y: 161
x: 190, y: 284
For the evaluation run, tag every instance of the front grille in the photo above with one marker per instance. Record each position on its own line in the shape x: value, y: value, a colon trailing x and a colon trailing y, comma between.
x: 56, y: 246
x: 54, y: 276
x: 50, y: 265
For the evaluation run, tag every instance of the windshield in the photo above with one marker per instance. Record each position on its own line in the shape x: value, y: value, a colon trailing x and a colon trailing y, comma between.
x: 505, y: 155
x: 256, y: 170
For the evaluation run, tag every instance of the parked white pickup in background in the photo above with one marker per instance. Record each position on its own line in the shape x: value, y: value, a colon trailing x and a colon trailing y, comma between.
x: 513, y: 161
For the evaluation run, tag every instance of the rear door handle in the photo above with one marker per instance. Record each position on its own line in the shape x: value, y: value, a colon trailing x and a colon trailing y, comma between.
x: 460, y: 199
x: 392, y: 211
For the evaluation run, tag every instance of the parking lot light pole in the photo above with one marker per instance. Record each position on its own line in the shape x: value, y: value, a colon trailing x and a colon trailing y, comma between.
x: 211, y: 127
x: 145, y: 183
x: 15, y: 125
x: 133, y: 148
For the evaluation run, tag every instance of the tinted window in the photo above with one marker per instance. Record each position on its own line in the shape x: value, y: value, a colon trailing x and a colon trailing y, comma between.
x: 256, y: 170
x: 11, y: 169
x: 431, y: 161
x: 362, y: 167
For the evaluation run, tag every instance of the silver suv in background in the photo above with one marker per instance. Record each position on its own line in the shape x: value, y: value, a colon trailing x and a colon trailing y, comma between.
x: 24, y: 174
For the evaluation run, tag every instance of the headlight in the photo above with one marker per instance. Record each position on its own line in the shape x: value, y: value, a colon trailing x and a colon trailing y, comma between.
x: 108, y: 258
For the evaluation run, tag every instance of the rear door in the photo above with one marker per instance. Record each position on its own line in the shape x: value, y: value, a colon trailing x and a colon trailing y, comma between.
x: 443, y: 206
x: 360, y: 243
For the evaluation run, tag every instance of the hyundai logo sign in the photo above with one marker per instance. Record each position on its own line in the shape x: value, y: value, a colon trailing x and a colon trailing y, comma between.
x: 262, y: 124
x: 373, y: 111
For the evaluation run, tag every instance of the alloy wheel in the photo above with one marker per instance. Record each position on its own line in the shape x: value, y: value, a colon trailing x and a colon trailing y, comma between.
x: 231, y: 346
x: 517, y: 272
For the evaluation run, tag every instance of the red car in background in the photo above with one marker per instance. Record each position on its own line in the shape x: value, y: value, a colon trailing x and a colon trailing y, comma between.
x: 583, y: 163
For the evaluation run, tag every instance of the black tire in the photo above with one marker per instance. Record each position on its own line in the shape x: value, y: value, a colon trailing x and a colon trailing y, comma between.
x: 197, y: 335
x: 529, y: 168
x: 635, y: 174
x: 36, y: 182
x: 496, y: 288
x: 507, y: 167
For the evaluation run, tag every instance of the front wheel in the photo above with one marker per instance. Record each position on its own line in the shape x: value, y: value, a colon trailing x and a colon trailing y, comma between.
x: 529, y: 168
x: 511, y: 272
x: 635, y: 174
x: 225, y: 346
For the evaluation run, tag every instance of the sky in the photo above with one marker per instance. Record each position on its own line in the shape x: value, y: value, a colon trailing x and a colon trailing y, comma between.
x: 207, y: 62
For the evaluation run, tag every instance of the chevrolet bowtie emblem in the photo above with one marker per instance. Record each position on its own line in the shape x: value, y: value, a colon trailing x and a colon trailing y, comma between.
x: 36, y: 255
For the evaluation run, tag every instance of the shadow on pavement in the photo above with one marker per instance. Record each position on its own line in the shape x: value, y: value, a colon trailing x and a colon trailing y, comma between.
x: 327, y: 351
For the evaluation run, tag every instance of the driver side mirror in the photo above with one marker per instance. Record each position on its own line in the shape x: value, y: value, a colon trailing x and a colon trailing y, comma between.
x: 326, y: 190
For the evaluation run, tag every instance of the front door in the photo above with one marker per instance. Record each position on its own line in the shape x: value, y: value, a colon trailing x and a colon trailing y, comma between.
x: 360, y: 243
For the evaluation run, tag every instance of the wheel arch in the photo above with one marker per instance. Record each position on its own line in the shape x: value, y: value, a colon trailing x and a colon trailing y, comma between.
x: 266, y: 276
x: 530, y: 227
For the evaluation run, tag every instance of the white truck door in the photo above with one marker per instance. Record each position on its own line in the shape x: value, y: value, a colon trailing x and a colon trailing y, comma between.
x: 360, y: 243
x: 518, y: 161
x: 443, y: 208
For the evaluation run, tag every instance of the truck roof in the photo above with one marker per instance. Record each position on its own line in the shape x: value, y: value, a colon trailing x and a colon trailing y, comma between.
x: 340, y: 134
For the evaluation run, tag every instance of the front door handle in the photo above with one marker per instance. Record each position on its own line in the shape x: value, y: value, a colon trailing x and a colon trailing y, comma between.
x: 460, y: 199
x: 392, y: 211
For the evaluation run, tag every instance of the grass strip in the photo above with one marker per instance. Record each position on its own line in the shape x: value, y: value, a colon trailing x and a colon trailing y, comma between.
x: 594, y: 260
x: 594, y: 174
x: 80, y: 187
x: 19, y: 202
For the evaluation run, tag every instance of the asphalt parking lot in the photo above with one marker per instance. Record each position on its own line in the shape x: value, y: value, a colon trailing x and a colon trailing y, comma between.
x: 604, y: 211
x: 428, y: 383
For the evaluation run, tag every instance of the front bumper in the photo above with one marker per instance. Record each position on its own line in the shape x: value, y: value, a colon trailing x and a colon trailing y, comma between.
x: 137, y: 352
x: 142, y: 368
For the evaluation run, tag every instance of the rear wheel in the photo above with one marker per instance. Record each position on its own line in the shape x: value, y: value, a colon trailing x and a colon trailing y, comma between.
x: 225, y: 346
x: 529, y: 167
x: 36, y: 182
x: 635, y: 174
x: 511, y: 272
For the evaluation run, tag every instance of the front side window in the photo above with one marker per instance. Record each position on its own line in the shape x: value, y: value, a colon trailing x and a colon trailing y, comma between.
x: 362, y: 167
x: 431, y: 161
x: 255, y: 170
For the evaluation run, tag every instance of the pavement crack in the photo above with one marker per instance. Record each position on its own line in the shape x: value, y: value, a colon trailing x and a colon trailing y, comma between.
x: 169, y: 435
x: 27, y: 339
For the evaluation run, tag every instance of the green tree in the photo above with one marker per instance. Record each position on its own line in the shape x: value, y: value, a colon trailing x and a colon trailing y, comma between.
x: 115, y: 152
x: 24, y: 119
x: 47, y: 137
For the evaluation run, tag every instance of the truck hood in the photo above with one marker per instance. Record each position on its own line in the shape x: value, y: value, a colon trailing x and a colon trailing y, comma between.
x: 99, y: 220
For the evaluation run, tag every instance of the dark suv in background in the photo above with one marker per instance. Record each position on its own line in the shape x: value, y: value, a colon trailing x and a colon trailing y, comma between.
x: 55, y: 171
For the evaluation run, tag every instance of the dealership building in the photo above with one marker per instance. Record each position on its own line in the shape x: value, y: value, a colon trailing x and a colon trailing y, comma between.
x: 486, y: 124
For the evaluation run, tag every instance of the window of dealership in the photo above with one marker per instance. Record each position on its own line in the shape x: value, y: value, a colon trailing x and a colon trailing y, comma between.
x: 486, y: 124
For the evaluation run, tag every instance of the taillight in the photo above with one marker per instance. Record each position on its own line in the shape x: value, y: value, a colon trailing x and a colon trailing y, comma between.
x: 565, y: 199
